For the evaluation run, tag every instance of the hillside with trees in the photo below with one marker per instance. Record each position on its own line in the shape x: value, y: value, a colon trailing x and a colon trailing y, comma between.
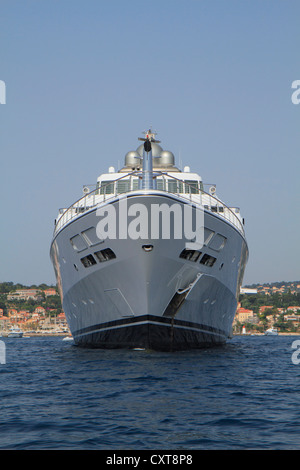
x: 275, y: 303
x: 52, y: 302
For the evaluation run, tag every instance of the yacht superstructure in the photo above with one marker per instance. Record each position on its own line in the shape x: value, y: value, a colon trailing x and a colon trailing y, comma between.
x: 149, y: 259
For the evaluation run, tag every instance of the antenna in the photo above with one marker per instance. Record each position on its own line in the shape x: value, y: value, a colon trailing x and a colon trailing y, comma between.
x: 149, y: 135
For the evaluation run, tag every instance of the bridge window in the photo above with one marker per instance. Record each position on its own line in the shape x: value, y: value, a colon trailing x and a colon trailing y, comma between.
x: 175, y: 186
x: 135, y: 184
x: 161, y: 184
x: 172, y: 186
x: 123, y: 186
x: 107, y: 187
x: 191, y: 187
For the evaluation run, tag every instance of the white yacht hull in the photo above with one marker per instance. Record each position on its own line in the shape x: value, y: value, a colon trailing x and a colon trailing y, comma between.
x: 149, y: 299
x: 15, y: 335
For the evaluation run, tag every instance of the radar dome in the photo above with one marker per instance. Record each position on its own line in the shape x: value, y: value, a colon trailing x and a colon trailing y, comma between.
x: 132, y: 159
x: 167, y: 158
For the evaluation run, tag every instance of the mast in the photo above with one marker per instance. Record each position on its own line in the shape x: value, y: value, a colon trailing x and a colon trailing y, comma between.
x: 148, y: 181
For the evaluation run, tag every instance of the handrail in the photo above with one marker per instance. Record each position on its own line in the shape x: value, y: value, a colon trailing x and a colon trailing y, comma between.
x: 210, y: 196
x: 80, y: 206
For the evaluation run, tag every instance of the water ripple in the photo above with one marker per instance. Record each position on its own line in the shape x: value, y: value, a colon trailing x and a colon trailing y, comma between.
x: 242, y: 396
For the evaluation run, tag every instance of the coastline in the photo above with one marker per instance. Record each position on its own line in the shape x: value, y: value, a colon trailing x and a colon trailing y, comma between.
x: 263, y: 334
x: 40, y: 334
x: 66, y: 334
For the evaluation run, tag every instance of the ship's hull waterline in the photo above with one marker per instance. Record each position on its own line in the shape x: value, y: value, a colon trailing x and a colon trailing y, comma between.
x: 149, y: 294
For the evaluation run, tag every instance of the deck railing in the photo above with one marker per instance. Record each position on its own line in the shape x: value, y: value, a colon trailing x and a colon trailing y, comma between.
x: 109, y: 190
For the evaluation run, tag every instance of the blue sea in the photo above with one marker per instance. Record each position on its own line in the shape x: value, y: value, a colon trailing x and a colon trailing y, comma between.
x: 244, y: 395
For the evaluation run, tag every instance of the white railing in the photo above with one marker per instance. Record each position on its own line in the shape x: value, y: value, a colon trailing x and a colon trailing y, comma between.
x: 109, y: 190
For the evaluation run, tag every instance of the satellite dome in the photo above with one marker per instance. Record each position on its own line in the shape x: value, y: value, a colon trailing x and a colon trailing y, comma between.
x: 167, y: 158
x: 132, y: 159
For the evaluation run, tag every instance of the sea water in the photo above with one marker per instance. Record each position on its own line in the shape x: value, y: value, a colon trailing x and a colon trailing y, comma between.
x: 245, y: 395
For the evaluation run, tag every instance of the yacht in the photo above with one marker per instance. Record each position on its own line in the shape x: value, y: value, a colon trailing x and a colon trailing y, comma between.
x: 271, y: 331
x: 149, y: 259
x: 15, y: 333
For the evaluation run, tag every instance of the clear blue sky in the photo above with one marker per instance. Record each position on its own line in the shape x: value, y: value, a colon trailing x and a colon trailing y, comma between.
x: 85, y: 77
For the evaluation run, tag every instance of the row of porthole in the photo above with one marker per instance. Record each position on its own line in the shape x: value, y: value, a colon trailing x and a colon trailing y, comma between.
x: 102, y: 255
x: 207, y: 260
x: 84, y: 302
x: 212, y: 302
x: 194, y: 255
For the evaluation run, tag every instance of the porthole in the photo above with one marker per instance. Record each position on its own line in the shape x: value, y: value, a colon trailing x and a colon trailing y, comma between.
x: 191, y: 255
x: 88, y: 261
x: 207, y: 260
x: 105, y: 255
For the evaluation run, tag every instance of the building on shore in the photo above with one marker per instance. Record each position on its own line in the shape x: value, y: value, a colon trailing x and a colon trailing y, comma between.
x: 247, y: 290
x: 49, y: 292
x: 25, y: 294
x: 243, y: 315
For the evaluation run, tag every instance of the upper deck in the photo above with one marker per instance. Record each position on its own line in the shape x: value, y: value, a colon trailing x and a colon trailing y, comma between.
x: 167, y: 178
